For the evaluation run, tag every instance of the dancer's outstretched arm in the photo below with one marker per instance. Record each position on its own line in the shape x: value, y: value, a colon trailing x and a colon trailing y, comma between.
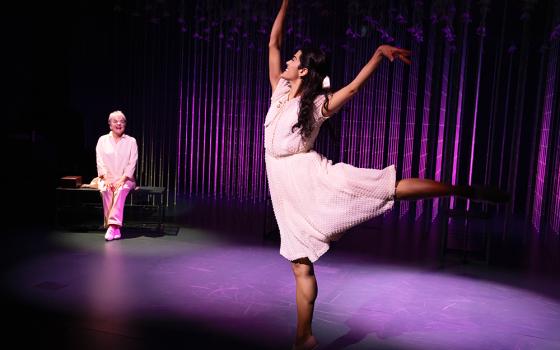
x: 339, y: 98
x: 274, y: 64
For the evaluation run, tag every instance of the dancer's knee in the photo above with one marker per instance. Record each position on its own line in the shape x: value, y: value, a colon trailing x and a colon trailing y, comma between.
x: 302, y: 267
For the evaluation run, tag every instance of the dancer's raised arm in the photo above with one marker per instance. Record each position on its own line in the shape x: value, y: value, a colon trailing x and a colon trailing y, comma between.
x: 274, y: 64
x: 339, y: 98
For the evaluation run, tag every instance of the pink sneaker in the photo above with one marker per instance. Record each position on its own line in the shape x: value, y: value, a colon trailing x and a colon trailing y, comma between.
x: 117, y: 233
x: 110, y: 234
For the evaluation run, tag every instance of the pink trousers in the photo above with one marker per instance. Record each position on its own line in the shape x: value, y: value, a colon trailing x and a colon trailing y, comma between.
x: 113, y: 202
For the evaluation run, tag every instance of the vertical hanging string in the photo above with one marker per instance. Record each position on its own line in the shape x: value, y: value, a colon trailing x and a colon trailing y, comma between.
x: 179, y: 171
x: 363, y: 120
x: 555, y: 205
x: 166, y: 165
x: 410, y: 104
x: 543, y: 160
x: 186, y: 113
x: 442, y: 120
x: 555, y: 168
x: 460, y: 99
x: 555, y: 217
x: 494, y: 100
x: 422, y: 165
x: 481, y: 34
x: 395, y: 107
x: 149, y: 72
x: 244, y: 130
x: 346, y: 128
x: 203, y: 103
x: 533, y: 164
x: 441, y: 123
x: 550, y: 212
x: 193, y: 83
x: 410, y: 120
x: 511, y: 51
x: 216, y: 114
x: 198, y: 126
x: 223, y: 111
x: 141, y: 73
x: 519, y: 103
x: 367, y: 105
x: 382, y: 116
x: 209, y: 111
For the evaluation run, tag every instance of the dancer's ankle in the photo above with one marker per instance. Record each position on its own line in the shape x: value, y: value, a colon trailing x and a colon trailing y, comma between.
x: 306, y: 342
x: 301, y: 338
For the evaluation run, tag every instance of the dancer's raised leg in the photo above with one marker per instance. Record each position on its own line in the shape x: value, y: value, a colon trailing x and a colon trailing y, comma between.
x: 306, y: 294
x: 425, y: 188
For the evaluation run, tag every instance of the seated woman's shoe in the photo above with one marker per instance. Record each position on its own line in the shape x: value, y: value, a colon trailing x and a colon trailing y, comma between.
x: 117, y: 233
x: 310, y: 343
x: 110, y: 234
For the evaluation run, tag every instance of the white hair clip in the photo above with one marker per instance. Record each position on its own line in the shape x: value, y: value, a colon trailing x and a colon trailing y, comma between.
x: 326, y: 82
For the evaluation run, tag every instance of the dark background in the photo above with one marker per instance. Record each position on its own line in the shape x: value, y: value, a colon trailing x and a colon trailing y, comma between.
x: 67, y: 70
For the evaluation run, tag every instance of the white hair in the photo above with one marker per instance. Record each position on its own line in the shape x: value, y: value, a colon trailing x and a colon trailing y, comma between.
x: 116, y: 114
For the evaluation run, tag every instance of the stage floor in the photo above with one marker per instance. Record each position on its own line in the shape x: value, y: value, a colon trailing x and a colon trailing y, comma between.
x: 221, y: 285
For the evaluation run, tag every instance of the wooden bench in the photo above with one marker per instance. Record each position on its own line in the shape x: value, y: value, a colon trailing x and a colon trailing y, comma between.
x: 143, y: 197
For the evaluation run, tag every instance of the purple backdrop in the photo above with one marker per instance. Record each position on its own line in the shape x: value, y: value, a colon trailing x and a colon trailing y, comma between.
x: 479, y: 104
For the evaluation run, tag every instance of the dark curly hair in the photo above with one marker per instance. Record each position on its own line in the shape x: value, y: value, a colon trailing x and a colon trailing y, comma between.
x: 315, y: 61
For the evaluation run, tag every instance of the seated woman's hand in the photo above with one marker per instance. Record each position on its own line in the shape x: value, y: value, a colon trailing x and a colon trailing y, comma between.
x: 118, y: 184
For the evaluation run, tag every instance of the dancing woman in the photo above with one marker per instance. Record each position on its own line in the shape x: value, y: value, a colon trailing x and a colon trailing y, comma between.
x: 315, y: 201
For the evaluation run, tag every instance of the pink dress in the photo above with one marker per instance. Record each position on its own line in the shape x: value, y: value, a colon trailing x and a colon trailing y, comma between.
x: 315, y: 201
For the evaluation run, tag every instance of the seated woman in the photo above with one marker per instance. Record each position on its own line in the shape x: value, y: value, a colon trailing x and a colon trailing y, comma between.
x: 117, y: 154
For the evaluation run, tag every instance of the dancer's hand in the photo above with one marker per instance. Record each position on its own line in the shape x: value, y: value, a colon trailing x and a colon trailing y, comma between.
x: 392, y: 52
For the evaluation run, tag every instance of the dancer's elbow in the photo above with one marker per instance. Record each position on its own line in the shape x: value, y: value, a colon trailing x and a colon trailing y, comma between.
x: 352, y: 90
x: 273, y: 44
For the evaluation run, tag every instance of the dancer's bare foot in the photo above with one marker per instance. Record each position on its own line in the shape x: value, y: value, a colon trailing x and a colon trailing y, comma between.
x: 489, y: 194
x: 310, y: 343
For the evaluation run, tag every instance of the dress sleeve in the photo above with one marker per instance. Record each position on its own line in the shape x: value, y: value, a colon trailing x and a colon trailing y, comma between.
x: 281, y: 90
x: 101, y: 168
x: 318, y: 110
x: 132, y: 160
